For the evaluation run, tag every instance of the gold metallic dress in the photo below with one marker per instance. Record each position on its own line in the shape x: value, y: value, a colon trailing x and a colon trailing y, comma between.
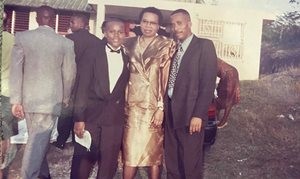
x: 143, y: 142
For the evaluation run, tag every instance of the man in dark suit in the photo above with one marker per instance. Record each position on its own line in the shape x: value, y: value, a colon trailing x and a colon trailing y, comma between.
x: 99, y: 104
x: 83, y: 40
x: 190, y: 91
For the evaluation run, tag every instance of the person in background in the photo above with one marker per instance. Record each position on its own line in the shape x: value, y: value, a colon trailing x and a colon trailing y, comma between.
x: 83, y: 40
x: 228, y: 91
x: 130, y: 27
x: 99, y: 104
x: 191, y: 87
x: 150, y: 56
x: 42, y: 75
x: 8, y: 122
x: 103, y: 31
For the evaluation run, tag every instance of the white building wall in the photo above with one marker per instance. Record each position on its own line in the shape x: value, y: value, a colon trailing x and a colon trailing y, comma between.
x: 249, y: 38
x: 248, y: 64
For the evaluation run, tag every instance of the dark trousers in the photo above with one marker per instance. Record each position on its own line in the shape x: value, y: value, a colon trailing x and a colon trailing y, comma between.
x: 104, y: 152
x: 183, y: 152
x: 65, y: 126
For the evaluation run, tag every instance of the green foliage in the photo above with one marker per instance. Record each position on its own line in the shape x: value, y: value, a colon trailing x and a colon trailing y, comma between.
x: 1, y: 15
x: 285, y: 30
x: 294, y: 1
x: 280, y: 43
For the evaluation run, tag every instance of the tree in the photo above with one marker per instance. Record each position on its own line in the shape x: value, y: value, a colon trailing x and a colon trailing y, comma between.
x: 286, y: 28
x: 294, y: 1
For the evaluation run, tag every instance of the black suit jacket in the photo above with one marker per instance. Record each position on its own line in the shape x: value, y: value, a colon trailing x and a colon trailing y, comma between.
x: 195, y: 83
x: 84, y: 41
x: 94, y: 104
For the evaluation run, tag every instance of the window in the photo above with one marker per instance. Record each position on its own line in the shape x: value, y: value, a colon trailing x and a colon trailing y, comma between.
x: 18, y: 19
x: 21, y: 20
x: 63, y: 22
x: 228, y: 37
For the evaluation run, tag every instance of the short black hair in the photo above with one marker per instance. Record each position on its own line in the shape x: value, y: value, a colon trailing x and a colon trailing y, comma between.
x: 103, y: 26
x: 83, y: 16
x: 113, y: 19
x: 43, y: 8
x: 153, y: 10
x: 183, y: 11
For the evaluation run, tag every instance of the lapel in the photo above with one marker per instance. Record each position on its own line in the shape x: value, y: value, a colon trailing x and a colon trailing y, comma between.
x: 46, y: 29
x: 148, y: 52
x: 101, y: 75
x: 187, y: 56
x: 125, y: 59
x: 125, y: 67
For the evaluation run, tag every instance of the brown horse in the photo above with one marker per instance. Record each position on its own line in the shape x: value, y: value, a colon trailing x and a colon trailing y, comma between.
x: 228, y: 90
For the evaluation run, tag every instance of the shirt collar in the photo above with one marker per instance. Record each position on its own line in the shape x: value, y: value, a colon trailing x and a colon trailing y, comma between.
x: 46, y: 27
x: 109, y: 48
x: 186, y: 42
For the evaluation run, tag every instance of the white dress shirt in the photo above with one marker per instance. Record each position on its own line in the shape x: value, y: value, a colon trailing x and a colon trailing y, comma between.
x: 115, y: 67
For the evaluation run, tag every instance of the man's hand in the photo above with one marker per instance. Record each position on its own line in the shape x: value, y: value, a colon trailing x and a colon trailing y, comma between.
x: 158, y: 117
x: 79, y: 129
x: 195, y: 125
x: 17, y: 111
x: 66, y: 103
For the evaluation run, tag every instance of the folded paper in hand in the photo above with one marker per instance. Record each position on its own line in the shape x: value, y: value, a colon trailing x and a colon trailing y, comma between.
x: 85, y: 141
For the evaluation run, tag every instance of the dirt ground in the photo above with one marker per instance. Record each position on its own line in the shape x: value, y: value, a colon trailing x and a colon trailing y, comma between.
x: 261, y: 139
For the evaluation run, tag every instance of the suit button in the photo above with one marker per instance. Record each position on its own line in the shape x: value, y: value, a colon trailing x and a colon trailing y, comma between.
x: 117, y: 102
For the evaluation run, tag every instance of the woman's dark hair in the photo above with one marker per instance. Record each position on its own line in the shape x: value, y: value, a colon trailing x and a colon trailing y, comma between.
x: 154, y: 11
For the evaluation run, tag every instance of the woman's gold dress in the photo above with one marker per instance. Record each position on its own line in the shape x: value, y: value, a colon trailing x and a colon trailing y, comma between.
x: 143, y: 142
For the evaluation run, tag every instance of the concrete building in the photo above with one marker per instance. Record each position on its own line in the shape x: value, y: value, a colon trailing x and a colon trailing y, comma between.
x: 236, y: 33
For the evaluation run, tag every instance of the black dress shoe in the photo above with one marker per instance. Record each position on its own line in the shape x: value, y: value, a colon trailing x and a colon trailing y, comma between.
x: 60, y: 146
x: 44, y: 177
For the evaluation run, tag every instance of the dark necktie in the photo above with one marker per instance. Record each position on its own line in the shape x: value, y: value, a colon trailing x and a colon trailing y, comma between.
x: 112, y: 50
x: 175, y: 66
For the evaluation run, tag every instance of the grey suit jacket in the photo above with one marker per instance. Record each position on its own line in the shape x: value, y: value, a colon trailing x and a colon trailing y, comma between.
x: 42, y: 71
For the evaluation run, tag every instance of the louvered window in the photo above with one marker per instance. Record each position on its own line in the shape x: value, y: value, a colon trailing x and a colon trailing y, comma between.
x: 18, y: 19
x: 63, y: 22
x: 21, y: 20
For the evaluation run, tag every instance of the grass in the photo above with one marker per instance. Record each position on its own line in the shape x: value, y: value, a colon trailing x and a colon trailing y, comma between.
x: 261, y: 139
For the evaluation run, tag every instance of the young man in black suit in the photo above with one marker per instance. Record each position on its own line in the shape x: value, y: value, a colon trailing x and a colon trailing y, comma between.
x: 83, y: 41
x: 190, y: 91
x: 99, y: 104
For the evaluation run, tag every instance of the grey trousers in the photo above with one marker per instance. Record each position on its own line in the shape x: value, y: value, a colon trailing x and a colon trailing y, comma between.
x: 34, y: 162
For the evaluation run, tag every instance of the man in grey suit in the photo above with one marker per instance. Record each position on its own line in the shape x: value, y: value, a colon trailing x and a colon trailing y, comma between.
x: 42, y: 74
x: 190, y: 91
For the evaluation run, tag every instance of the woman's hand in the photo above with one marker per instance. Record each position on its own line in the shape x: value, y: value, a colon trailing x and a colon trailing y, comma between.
x: 157, y: 118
